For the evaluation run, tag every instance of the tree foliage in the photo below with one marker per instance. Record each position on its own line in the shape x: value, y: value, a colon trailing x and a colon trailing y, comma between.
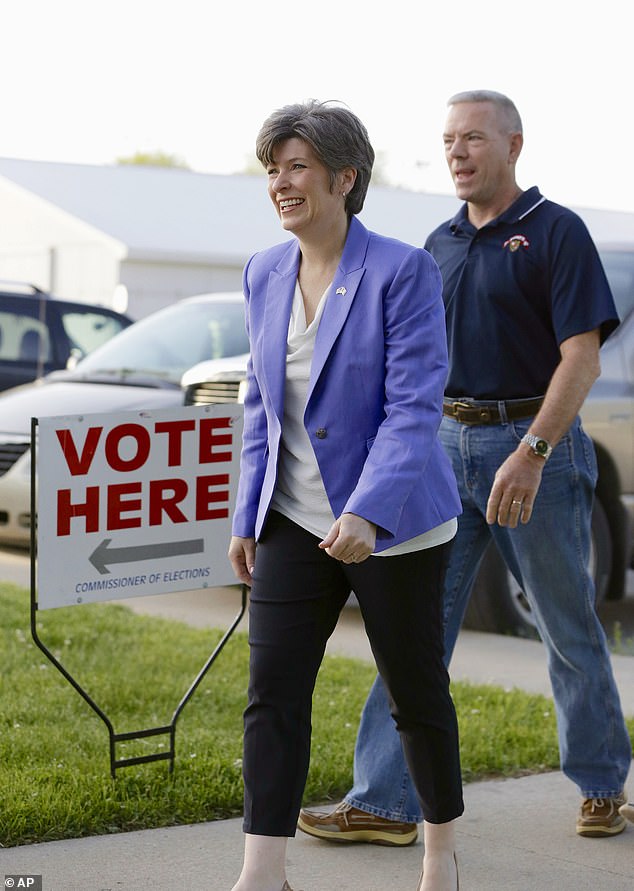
x: 155, y: 159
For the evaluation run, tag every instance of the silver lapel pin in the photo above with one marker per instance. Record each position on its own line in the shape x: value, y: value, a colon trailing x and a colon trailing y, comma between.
x: 341, y: 291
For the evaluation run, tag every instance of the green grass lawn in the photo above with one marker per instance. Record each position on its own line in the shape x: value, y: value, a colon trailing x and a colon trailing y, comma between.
x: 54, y: 755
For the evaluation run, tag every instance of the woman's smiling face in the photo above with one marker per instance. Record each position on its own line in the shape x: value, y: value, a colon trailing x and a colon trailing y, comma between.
x: 299, y: 186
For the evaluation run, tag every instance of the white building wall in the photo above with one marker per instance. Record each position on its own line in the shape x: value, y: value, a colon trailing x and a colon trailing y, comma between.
x: 43, y: 245
x: 85, y: 271
x: 152, y: 285
x: 26, y: 263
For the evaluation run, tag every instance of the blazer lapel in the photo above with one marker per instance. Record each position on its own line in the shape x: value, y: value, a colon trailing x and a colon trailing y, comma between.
x: 277, y: 314
x: 339, y: 300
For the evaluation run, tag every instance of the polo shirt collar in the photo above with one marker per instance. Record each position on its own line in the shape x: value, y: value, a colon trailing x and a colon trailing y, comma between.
x: 520, y: 208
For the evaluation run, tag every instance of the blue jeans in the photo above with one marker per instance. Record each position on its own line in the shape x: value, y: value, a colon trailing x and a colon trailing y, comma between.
x: 548, y: 557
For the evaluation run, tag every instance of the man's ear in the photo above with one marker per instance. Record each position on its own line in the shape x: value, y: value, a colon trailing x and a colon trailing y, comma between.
x: 515, y: 147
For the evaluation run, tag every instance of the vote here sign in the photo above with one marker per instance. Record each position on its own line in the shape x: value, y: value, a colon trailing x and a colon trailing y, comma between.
x: 135, y: 503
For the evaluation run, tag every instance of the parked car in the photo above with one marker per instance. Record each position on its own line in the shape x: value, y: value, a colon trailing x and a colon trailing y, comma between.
x: 141, y: 367
x: 222, y: 380
x: 40, y: 333
x: 498, y: 603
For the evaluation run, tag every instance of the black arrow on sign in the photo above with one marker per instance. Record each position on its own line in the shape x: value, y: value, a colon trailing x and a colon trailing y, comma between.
x: 104, y: 556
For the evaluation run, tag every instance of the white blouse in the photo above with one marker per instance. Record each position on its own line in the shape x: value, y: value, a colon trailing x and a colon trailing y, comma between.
x: 300, y: 494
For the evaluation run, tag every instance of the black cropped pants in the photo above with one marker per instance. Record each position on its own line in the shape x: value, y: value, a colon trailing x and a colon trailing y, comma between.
x: 297, y: 595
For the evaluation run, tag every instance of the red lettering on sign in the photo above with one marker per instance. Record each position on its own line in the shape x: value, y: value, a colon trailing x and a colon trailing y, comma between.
x: 88, y: 509
x: 134, y: 448
x: 118, y: 504
x: 165, y: 495
x: 205, y: 496
x: 209, y: 439
x: 174, y: 430
x: 113, y: 440
x: 79, y: 464
x: 162, y: 498
x: 215, y: 440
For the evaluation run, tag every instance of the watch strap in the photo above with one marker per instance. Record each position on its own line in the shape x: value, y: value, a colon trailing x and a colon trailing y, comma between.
x: 538, y: 444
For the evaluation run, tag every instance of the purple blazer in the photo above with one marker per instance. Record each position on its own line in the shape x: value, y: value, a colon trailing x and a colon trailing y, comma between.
x: 375, y: 393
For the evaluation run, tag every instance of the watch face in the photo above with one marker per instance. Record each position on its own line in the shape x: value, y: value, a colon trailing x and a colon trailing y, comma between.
x: 541, y: 446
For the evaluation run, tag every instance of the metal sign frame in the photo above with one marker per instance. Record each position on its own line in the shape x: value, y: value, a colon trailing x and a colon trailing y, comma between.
x: 114, y: 737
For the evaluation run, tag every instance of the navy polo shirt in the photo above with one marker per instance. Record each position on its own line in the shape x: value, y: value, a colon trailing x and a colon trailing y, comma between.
x: 513, y: 291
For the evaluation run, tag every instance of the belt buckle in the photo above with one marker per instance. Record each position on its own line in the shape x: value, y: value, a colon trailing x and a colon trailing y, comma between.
x: 459, y: 408
x: 476, y: 414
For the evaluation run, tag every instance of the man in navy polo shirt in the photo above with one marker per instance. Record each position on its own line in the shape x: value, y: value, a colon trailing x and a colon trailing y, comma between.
x: 528, y: 306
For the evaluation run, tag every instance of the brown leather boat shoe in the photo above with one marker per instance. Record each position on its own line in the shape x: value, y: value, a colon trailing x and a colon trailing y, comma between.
x: 349, y: 824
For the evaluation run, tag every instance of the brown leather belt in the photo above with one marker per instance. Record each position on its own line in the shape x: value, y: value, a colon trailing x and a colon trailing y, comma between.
x: 470, y: 411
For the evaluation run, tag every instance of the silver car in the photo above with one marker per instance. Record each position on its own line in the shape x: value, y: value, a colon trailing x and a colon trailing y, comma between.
x: 498, y: 603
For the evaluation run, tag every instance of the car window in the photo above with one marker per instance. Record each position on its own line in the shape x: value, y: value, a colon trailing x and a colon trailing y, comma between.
x: 39, y: 333
x: 619, y: 269
x: 23, y: 338
x: 86, y: 330
x: 173, y: 339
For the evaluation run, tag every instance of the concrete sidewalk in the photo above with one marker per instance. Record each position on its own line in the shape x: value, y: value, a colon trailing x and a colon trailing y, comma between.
x: 516, y: 835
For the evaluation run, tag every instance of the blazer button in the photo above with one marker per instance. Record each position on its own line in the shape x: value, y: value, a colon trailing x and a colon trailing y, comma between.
x: 322, y: 433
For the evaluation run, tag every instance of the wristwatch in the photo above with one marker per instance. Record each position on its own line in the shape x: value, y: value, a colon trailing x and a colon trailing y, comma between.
x: 540, y: 446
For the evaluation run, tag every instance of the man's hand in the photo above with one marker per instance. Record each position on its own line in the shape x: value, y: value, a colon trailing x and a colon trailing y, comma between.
x: 518, y: 479
x: 515, y: 488
x: 351, y: 539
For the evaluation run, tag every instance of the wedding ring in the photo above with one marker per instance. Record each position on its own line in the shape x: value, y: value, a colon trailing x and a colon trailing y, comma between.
x: 515, y: 501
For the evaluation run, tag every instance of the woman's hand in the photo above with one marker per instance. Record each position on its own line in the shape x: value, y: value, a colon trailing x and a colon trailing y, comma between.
x: 351, y: 539
x: 242, y: 557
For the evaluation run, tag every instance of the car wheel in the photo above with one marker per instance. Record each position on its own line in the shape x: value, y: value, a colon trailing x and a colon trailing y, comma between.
x: 498, y: 603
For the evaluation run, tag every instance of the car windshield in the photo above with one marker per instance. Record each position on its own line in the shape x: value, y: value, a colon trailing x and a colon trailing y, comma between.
x: 171, y: 340
x: 619, y: 269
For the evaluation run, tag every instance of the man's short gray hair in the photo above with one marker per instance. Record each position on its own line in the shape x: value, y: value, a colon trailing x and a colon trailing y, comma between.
x: 506, y: 106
